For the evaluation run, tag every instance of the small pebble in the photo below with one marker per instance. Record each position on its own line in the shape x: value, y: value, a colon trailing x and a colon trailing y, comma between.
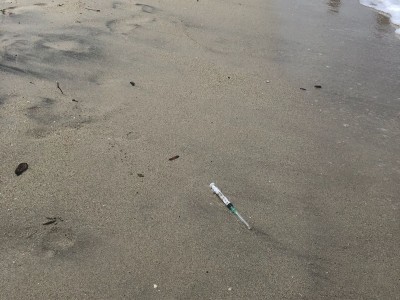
x: 22, y: 167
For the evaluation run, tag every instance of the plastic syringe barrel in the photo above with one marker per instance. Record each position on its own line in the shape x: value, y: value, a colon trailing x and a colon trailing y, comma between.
x: 228, y: 203
x: 220, y: 195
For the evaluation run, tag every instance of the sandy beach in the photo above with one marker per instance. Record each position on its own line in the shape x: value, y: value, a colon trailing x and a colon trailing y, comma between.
x: 97, y: 96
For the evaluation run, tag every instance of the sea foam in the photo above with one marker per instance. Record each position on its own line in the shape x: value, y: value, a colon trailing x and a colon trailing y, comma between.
x: 389, y: 7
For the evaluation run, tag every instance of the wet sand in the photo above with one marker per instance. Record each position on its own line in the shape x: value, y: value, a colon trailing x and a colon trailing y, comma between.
x: 315, y: 172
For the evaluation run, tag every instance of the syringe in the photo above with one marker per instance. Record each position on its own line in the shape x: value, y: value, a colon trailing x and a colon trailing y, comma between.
x: 228, y: 204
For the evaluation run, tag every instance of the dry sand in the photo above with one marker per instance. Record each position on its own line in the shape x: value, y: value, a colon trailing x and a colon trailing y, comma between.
x: 315, y: 172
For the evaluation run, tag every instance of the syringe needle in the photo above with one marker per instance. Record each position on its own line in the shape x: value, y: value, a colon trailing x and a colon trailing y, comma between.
x: 228, y: 204
x: 243, y: 220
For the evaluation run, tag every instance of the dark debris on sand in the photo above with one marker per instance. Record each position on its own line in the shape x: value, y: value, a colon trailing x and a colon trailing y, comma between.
x: 22, y: 167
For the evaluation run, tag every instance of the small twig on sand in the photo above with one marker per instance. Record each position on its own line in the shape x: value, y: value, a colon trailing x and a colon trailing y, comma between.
x: 174, y: 157
x: 98, y: 10
x: 50, y: 222
x: 58, y: 86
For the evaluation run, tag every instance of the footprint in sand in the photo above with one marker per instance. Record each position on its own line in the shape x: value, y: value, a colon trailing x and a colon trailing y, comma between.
x: 126, y: 26
x: 143, y: 14
x: 72, y: 46
x: 68, y: 45
x: 49, y: 115
x: 58, y: 241
x: 128, y: 6
x: 147, y: 8
x: 17, y: 11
